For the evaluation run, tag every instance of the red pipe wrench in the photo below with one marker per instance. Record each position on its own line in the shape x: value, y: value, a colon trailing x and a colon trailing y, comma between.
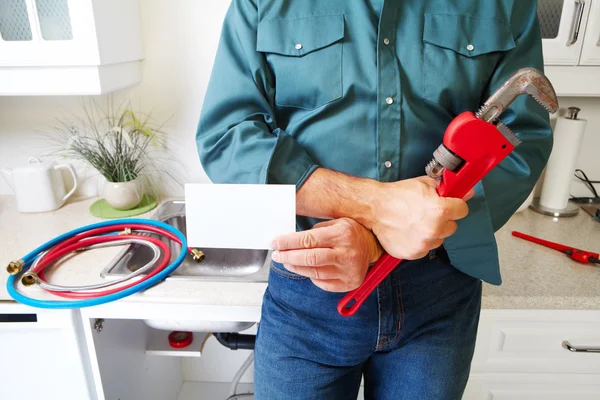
x: 576, y: 254
x: 473, y: 145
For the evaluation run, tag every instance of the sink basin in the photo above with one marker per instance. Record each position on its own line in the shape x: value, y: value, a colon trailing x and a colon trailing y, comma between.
x: 198, y: 325
x: 218, y: 265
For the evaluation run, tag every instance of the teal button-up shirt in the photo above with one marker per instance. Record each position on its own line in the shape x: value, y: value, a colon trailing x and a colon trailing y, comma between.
x: 367, y: 88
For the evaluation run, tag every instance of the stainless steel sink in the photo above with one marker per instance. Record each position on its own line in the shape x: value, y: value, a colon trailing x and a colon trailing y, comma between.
x: 218, y: 265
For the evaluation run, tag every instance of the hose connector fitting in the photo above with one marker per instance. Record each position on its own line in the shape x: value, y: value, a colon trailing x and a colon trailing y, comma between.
x: 30, y: 279
x: 197, y: 255
x: 14, y: 267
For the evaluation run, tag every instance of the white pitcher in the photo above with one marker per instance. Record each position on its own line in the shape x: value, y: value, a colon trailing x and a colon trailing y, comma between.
x: 39, y: 186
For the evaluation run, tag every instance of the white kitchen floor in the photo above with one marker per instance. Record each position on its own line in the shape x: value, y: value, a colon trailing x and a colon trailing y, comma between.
x: 217, y: 391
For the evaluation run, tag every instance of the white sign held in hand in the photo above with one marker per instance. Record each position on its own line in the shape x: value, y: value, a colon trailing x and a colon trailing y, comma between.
x: 238, y: 216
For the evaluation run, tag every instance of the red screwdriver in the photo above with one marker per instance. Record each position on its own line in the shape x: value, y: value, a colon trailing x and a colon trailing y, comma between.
x: 579, y: 255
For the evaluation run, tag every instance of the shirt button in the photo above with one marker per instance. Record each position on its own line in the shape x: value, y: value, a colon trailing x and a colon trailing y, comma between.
x: 298, y: 46
x: 470, y: 47
x: 386, y: 41
x: 389, y: 100
x: 388, y: 164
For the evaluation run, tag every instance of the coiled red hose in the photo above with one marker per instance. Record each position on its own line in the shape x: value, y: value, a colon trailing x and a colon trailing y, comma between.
x: 91, y: 237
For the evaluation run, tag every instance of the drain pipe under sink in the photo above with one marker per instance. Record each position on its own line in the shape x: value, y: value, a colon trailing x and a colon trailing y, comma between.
x: 236, y: 341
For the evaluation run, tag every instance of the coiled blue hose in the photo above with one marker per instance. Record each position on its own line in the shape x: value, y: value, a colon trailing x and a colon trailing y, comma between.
x: 58, y: 304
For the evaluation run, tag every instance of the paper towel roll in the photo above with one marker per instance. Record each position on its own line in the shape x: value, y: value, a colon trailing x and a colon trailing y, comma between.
x: 556, y: 189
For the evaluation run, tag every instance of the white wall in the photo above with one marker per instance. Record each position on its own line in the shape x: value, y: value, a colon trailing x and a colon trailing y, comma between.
x: 180, y: 40
x: 589, y: 157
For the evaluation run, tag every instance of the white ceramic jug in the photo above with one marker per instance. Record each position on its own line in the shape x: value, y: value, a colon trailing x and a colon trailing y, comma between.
x: 39, y: 186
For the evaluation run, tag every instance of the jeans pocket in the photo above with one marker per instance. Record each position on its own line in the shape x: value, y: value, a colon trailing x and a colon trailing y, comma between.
x: 280, y: 270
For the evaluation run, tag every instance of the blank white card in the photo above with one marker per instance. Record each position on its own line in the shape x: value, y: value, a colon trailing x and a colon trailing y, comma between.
x: 238, y: 216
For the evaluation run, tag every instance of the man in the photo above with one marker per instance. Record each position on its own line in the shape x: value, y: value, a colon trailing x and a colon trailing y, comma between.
x: 347, y: 99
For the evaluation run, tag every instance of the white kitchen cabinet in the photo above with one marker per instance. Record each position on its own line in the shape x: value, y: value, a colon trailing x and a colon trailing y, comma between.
x: 69, y: 46
x: 563, y: 24
x: 519, y: 356
x: 126, y: 364
x: 121, y: 366
x: 43, y: 354
x: 124, y: 367
x: 531, y: 342
x: 590, y: 52
x: 571, y: 45
x: 532, y: 387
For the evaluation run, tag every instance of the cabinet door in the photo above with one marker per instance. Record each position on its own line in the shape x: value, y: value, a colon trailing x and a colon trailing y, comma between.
x: 532, y: 387
x: 563, y: 24
x: 48, y: 33
x: 121, y: 367
x: 590, y: 53
x: 530, y: 341
x: 42, y: 356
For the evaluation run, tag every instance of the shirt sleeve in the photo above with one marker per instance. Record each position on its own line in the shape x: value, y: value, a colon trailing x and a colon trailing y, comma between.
x: 507, y: 186
x: 238, y: 138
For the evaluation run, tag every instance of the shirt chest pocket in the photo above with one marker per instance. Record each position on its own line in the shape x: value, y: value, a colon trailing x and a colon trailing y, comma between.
x: 305, y: 56
x: 460, y: 55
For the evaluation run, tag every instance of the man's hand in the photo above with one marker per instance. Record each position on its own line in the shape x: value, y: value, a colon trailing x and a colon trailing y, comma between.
x: 335, y: 254
x: 410, y: 219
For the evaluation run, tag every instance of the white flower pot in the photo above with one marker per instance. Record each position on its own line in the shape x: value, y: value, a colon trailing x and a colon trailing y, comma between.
x: 123, y: 195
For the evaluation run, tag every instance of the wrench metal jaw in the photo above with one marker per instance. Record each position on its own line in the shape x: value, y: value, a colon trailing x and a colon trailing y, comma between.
x: 508, y: 134
x: 528, y: 81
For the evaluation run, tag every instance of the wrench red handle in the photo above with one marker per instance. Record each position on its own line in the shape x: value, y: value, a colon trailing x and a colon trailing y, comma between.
x: 352, y: 301
x: 482, y: 147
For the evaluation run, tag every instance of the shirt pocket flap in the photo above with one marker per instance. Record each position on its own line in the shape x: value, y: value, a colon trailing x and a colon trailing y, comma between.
x: 300, y: 36
x: 466, y: 35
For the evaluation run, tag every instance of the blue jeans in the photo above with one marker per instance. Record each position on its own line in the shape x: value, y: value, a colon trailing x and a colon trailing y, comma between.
x: 412, y: 339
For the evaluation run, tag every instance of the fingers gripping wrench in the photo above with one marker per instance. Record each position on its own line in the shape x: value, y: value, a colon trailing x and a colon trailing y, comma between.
x: 473, y: 145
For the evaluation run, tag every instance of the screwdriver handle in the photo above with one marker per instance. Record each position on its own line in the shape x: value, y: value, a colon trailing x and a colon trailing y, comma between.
x: 547, y: 243
x: 582, y: 256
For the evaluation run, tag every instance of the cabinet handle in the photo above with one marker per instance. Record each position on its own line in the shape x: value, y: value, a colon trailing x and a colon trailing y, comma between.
x: 14, y: 318
x: 573, y: 349
x: 580, y: 6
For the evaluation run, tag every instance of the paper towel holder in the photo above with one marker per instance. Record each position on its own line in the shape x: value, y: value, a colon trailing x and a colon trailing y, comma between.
x: 572, y: 209
x: 572, y: 112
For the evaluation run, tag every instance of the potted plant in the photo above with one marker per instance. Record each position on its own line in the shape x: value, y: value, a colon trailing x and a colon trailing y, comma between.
x: 118, y: 144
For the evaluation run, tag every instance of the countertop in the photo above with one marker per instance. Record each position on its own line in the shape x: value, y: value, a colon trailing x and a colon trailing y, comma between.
x: 534, y: 277
x: 21, y: 233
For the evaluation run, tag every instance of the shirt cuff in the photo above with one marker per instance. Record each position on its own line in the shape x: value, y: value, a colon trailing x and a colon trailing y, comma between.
x: 290, y: 164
